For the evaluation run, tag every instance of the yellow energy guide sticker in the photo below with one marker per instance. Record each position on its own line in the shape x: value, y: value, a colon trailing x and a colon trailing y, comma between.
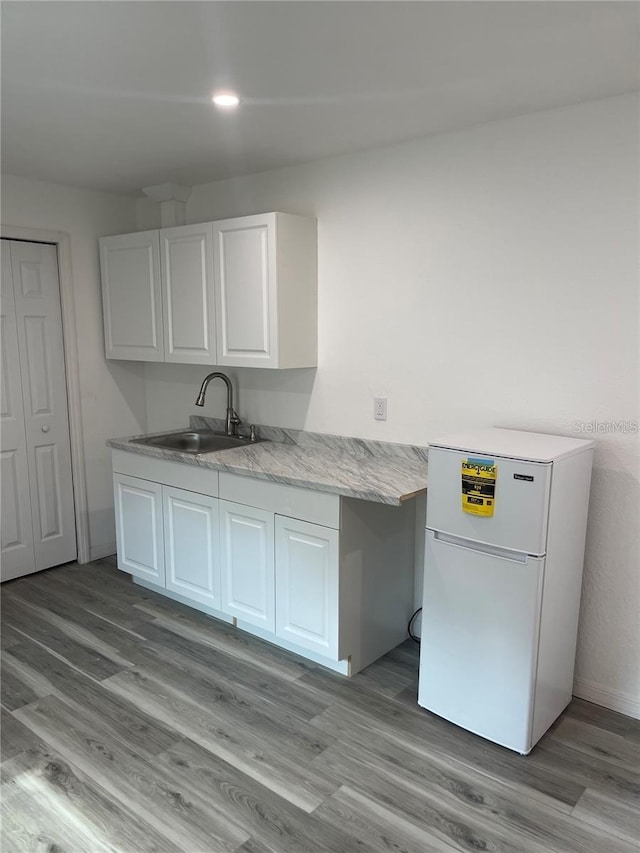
x: 479, y: 486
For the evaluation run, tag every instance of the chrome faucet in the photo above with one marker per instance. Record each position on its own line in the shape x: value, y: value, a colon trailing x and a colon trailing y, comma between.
x: 232, y: 418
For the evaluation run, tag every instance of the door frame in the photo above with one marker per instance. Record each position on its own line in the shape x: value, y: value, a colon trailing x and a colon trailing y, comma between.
x: 62, y: 241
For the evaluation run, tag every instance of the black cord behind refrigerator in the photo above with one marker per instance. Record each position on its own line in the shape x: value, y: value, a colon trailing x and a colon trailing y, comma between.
x: 409, y: 626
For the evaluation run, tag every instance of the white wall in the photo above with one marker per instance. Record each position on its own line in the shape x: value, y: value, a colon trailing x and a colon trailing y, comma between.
x: 112, y: 393
x: 483, y: 277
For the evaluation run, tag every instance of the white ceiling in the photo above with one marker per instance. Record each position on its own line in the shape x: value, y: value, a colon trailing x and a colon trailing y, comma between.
x: 115, y: 95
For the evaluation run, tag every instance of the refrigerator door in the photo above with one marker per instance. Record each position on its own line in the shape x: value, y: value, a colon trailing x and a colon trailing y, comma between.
x: 520, y: 510
x: 480, y: 638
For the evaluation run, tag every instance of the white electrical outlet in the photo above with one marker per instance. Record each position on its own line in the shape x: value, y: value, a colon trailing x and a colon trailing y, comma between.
x: 380, y: 408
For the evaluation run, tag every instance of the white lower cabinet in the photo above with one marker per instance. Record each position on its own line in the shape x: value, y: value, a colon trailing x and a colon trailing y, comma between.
x: 191, y: 545
x: 138, y: 506
x: 307, y: 602
x: 247, y: 557
x: 334, y: 584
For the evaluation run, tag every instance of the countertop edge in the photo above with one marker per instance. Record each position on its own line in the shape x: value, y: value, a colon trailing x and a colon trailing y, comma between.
x: 205, y: 460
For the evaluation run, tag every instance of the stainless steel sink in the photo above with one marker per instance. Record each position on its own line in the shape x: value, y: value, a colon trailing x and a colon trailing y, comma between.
x: 195, y: 441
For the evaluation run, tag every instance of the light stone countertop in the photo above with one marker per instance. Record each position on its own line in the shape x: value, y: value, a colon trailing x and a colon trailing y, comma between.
x: 369, y: 470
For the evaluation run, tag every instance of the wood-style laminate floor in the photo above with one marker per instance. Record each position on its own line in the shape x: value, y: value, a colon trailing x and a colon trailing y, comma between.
x: 131, y: 723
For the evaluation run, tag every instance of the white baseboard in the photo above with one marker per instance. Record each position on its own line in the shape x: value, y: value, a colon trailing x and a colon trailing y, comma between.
x: 97, y: 552
x: 614, y: 699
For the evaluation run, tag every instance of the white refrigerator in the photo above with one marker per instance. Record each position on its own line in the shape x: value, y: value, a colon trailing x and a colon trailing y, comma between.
x: 506, y: 525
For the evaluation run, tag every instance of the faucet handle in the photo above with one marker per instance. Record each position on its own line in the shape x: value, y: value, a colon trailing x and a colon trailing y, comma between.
x: 248, y: 432
x: 234, y: 422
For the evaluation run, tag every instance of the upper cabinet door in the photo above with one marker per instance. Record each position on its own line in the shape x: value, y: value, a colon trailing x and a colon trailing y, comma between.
x: 186, y: 254
x: 130, y: 265
x: 246, y: 306
x: 266, y: 281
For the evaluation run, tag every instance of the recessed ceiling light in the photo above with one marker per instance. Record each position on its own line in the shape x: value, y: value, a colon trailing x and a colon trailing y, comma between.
x: 225, y: 99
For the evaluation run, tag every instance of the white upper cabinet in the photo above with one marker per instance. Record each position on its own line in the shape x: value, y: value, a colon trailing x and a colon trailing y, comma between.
x: 186, y: 255
x: 132, y: 303
x: 239, y: 292
x: 157, y: 290
x: 266, y: 290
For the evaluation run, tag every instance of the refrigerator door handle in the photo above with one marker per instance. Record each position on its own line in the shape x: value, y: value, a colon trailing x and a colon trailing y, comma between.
x: 481, y: 548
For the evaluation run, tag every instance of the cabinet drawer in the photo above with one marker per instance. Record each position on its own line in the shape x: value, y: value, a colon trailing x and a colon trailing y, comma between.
x: 316, y: 507
x: 178, y: 474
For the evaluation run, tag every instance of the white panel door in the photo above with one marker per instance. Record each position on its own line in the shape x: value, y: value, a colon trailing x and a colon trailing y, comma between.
x: 39, y: 320
x: 191, y: 545
x: 307, y: 585
x: 246, y: 547
x: 245, y: 280
x: 139, y: 534
x: 132, y: 304
x: 479, y: 644
x: 17, y: 556
x: 186, y: 255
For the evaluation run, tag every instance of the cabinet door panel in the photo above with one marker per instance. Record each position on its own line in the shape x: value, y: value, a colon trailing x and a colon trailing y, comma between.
x: 246, y: 537
x: 130, y: 266
x: 187, y: 276
x: 138, y: 505
x: 307, y: 585
x: 191, y: 545
x: 245, y: 274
